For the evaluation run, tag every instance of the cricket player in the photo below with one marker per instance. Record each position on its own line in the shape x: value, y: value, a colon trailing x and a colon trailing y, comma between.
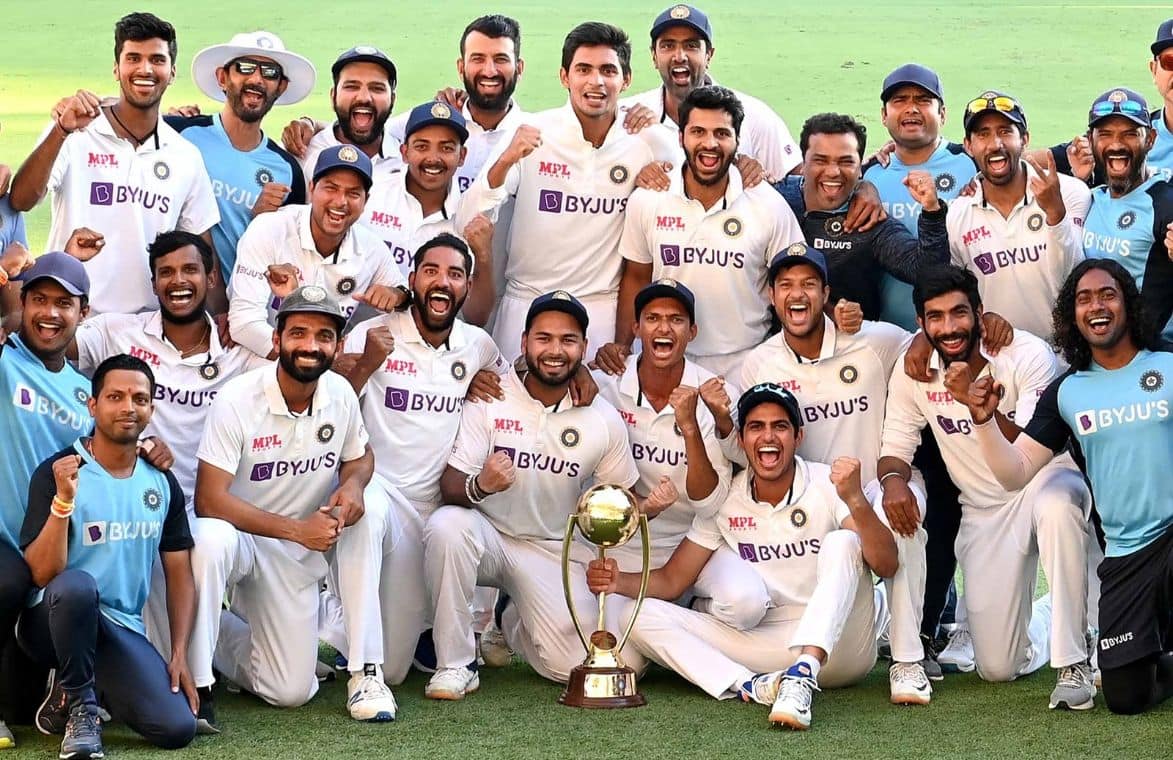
x: 1004, y: 533
x: 1112, y: 406
x: 812, y: 538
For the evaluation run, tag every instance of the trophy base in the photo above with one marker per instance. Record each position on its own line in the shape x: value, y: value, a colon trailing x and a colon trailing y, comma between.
x: 601, y: 688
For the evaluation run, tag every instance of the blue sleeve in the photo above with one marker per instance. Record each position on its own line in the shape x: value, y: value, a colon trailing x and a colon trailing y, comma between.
x: 791, y: 189
x: 19, y: 234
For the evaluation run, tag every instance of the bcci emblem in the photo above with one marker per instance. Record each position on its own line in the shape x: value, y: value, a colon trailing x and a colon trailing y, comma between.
x: 152, y: 499
x: 264, y: 177
x: 570, y: 437
x: 679, y: 12
x: 210, y: 371
x: 945, y: 182
x: 619, y: 174
x: 849, y: 374
x: 162, y: 170
x: 732, y: 227
x: 1117, y: 96
x: 1126, y: 220
x: 561, y: 295
x: 796, y: 249
x: 459, y: 370
x: 314, y: 293
x: 348, y: 154
x: 1152, y: 381
x: 834, y: 226
x: 441, y: 111
x: 346, y: 286
x: 325, y: 433
x: 264, y: 42
x: 1034, y: 222
x: 798, y: 518
x: 366, y: 50
x: 81, y: 395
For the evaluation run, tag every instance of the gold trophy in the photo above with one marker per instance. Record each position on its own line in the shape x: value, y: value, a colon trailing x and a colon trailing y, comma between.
x: 607, y: 516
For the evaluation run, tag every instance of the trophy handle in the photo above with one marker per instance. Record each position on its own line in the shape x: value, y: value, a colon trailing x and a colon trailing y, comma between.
x: 645, y: 539
x: 566, y: 578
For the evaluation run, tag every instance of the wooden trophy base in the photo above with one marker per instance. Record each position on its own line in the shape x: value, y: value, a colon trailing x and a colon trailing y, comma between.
x: 601, y: 688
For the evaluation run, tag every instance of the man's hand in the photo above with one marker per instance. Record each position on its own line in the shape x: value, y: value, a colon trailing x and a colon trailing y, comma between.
x: 638, y: 118
x: 84, y: 243
x: 1079, y: 155
x: 865, y: 209
x: 181, y: 679
x: 498, y: 474
x: 485, y: 386
x: 156, y: 453
x: 612, y: 358
x: 683, y: 400
x: 654, y: 176
x: 583, y: 387
x: 380, y: 343
x: 984, y: 396
x: 845, y: 478
x: 526, y: 139
x: 662, y: 496
x: 223, y: 330
x: 997, y: 333
x: 283, y: 279
x: 716, y: 398
x: 916, y: 359
x: 453, y: 96
x: 382, y: 298
x: 65, y: 472
x: 752, y: 172
x: 900, y: 506
x: 1045, y: 187
x: 1169, y: 239
x: 5, y: 179
x: 320, y: 530
x: 958, y: 378
x: 15, y: 259
x: 186, y: 112
x: 479, y: 234
x: 923, y: 189
x: 271, y: 197
x: 296, y: 136
x: 970, y: 189
x: 77, y: 111
x: 348, y: 502
x: 602, y: 576
x: 883, y: 156
x: 848, y: 316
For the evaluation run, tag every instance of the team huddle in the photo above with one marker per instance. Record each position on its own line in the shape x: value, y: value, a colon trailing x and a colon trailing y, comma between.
x: 347, y: 386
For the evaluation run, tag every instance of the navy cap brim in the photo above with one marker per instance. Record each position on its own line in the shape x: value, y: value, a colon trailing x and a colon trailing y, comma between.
x: 385, y: 63
x: 785, y: 262
x: 70, y: 288
x: 366, y: 179
x: 654, y: 291
x: 566, y: 307
x: 894, y: 86
x: 659, y: 28
x: 454, y: 126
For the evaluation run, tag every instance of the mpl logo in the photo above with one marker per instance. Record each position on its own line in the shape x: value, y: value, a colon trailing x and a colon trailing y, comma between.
x: 400, y: 367
x: 742, y: 522
x: 628, y: 417
x: 93, y: 533
x: 553, y: 169
x: 266, y: 442
x: 383, y: 219
x: 102, y: 161
x: 670, y: 223
x: 972, y: 236
x: 939, y: 397
x: 670, y: 255
x: 507, y: 426
x: 147, y: 356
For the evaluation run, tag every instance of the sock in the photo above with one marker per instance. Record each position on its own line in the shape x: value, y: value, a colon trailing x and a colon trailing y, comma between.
x: 806, y: 665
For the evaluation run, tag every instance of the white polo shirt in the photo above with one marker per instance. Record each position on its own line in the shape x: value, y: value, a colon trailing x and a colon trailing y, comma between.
x: 383, y: 164
x: 570, y: 198
x: 284, y: 463
x: 396, y: 216
x: 558, y: 451
x: 129, y: 195
x: 658, y: 450
x: 1020, y: 261
x: 283, y: 237
x: 1025, y: 368
x: 721, y: 254
x: 780, y: 541
x: 764, y: 135
x: 412, y: 404
x: 843, y: 393
x: 184, y: 387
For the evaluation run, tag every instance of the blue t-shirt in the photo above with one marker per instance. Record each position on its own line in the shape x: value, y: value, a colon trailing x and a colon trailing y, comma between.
x: 952, y: 169
x: 1131, y: 230
x: 118, y: 528
x: 1161, y: 155
x: 11, y: 226
x: 237, y: 178
x: 1119, y: 420
x: 40, y: 412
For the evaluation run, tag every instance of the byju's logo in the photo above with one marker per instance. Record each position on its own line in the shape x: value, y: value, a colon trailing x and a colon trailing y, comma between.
x: 748, y: 552
x: 101, y: 193
x: 550, y: 201
x: 509, y: 451
x: 262, y: 471
x: 397, y: 399
x: 670, y: 255
x: 1087, y: 422
x: 24, y: 398
x: 985, y: 263
x: 93, y: 533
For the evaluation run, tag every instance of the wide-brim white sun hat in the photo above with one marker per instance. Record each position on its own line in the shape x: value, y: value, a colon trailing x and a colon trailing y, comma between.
x: 297, y: 69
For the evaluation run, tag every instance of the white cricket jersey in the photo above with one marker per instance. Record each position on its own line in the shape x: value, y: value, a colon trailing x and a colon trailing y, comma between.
x: 764, y: 135
x: 412, y: 404
x: 396, y: 216
x: 184, y: 387
x: 558, y: 451
x: 780, y: 541
x: 658, y: 450
x: 387, y: 161
x: 1020, y: 261
x: 843, y: 393
x: 283, y: 237
x: 569, y: 199
x: 1025, y: 368
x: 722, y: 255
x: 129, y: 195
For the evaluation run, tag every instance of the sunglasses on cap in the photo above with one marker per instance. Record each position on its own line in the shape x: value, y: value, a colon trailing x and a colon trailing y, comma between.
x: 1002, y: 103
x: 1165, y: 60
x: 1127, y: 106
x: 246, y: 67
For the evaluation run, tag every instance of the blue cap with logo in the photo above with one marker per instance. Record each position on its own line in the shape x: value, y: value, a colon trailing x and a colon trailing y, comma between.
x: 768, y: 393
x: 364, y: 54
x: 561, y: 301
x: 915, y: 74
x: 60, y: 267
x: 997, y: 102
x: 1120, y: 101
x: 436, y: 112
x: 683, y: 15
x: 344, y: 157
x: 1164, y: 37
x: 666, y: 287
x: 797, y: 253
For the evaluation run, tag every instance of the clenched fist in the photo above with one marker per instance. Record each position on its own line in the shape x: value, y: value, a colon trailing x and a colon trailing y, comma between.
x: 498, y: 473
x: 65, y: 472
x: 845, y: 477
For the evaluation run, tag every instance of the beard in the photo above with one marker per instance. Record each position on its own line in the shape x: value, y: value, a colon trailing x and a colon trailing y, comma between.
x: 288, y: 361
x: 971, y: 341
x: 549, y: 379
x: 432, y: 322
x: 1121, y: 185
x: 377, y: 124
x: 243, y: 112
x: 491, y: 103
x: 195, y: 315
x: 705, y: 180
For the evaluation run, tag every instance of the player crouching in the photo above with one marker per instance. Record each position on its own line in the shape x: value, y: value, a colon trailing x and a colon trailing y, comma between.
x: 810, y: 533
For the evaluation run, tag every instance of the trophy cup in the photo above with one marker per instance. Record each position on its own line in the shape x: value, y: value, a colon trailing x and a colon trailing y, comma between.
x: 607, y: 516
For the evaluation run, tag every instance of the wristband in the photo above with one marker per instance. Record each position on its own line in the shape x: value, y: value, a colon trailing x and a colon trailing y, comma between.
x: 470, y: 490
x: 61, y: 508
x: 887, y: 475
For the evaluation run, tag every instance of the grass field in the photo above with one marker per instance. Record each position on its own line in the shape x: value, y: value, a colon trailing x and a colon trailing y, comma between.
x: 802, y: 57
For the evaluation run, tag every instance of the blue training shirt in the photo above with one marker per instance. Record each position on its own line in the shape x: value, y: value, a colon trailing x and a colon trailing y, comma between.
x: 952, y: 169
x: 40, y: 412
x: 1120, y: 422
x: 11, y: 226
x: 237, y: 178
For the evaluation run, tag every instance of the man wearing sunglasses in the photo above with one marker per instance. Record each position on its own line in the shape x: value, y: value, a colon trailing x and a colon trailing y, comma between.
x: 250, y: 173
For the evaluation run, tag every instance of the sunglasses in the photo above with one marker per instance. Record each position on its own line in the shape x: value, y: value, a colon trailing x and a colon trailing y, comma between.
x: 1165, y: 60
x: 246, y: 67
x: 1002, y: 103
x: 1126, y: 107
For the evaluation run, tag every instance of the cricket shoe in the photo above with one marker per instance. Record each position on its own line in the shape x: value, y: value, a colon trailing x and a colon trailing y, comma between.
x: 206, y: 717
x: 762, y: 688
x: 368, y: 698
x: 7, y: 740
x: 83, y: 735
x: 957, y: 656
x: 792, y: 708
x: 53, y: 714
x: 452, y: 684
x: 1075, y: 688
x: 908, y: 684
x: 495, y: 649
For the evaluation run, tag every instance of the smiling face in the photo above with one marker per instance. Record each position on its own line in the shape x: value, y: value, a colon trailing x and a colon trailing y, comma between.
x: 49, y: 317
x: 337, y: 200
x: 433, y: 154
x: 144, y: 70
x: 489, y: 69
x: 1120, y: 146
x: 710, y: 144
x: 553, y: 347
x: 665, y: 330
x: 913, y: 117
x: 951, y: 326
x: 595, y: 80
x: 1100, y: 312
x: 123, y: 406
x: 996, y: 145
x: 362, y: 98
x: 799, y: 297
x: 832, y: 168
x: 306, y: 345
x: 769, y: 440
x: 250, y: 97
x: 181, y: 285
x: 681, y: 56
x: 439, y: 286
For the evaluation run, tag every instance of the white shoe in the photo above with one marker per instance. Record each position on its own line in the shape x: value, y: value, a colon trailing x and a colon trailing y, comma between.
x: 1075, y: 688
x: 7, y: 740
x: 792, y: 708
x: 762, y: 688
x: 495, y: 649
x: 369, y: 699
x: 452, y: 684
x: 323, y: 672
x: 957, y: 656
x: 909, y: 684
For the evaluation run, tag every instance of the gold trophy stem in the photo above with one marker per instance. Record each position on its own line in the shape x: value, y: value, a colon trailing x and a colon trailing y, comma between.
x: 602, y: 626
x: 566, y: 583
x: 645, y: 540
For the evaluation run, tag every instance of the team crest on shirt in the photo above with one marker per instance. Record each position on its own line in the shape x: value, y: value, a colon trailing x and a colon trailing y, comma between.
x: 325, y: 433
x: 81, y: 395
x: 680, y: 11
x: 459, y: 370
x: 152, y: 499
x: 1152, y: 381
x: 1034, y: 222
x: 849, y: 374
x: 945, y: 182
x: 1126, y: 220
x: 264, y: 177
x: 834, y: 226
x: 619, y: 174
x: 162, y: 170
x: 210, y: 371
x: 732, y: 226
x: 797, y: 517
x: 570, y: 437
x: 346, y: 286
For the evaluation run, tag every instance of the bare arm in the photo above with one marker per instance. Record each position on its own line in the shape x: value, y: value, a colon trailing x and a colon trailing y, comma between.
x: 213, y: 499
x: 667, y: 582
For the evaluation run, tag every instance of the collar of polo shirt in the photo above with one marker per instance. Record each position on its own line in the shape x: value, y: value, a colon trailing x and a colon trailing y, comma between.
x: 451, y: 200
x: 574, y: 128
x: 154, y: 327
x: 159, y: 138
x: 564, y: 403
x: 798, y: 488
x: 404, y: 328
x: 322, y: 397
x: 629, y: 381
x: 734, y: 190
x: 935, y: 362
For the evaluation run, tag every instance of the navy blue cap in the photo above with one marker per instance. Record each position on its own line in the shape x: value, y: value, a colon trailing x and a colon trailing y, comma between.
x: 364, y: 54
x: 666, y: 288
x: 1164, y: 37
x: 797, y: 253
x: 1120, y: 101
x: 561, y: 301
x: 312, y: 299
x: 344, y: 157
x: 768, y: 393
x: 912, y: 73
x: 436, y: 112
x: 60, y: 267
x: 683, y: 15
x: 998, y: 102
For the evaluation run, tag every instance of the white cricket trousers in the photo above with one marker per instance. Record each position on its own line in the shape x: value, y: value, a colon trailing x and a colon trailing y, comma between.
x: 906, y: 589
x: 840, y: 618
x: 462, y: 550
x: 511, y: 313
x: 999, y: 552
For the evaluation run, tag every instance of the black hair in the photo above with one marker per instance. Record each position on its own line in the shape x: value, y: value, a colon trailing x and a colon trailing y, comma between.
x: 1067, y: 337
x: 937, y: 280
x: 592, y: 33
x: 832, y: 124
x: 713, y: 98
x: 444, y: 240
x: 495, y: 26
x: 173, y: 240
x: 120, y: 361
x: 138, y: 27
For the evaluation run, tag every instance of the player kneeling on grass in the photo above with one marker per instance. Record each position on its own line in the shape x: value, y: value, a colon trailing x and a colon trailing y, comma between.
x: 810, y: 533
